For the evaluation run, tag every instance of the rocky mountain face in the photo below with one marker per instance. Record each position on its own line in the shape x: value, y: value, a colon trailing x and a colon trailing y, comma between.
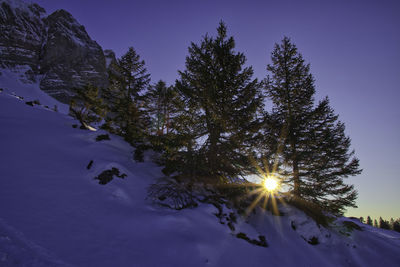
x: 54, y: 50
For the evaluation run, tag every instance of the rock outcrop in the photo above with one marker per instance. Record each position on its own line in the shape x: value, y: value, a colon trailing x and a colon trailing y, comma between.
x: 54, y: 50
x: 22, y: 33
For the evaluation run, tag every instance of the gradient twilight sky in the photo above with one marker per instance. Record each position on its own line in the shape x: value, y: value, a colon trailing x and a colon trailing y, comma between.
x: 353, y: 48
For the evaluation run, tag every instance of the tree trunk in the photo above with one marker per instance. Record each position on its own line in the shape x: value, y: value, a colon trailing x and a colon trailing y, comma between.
x: 212, y: 156
x: 296, y: 178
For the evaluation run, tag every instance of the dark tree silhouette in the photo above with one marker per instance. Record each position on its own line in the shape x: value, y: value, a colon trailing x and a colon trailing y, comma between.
x: 308, y: 142
x: 221, y: 101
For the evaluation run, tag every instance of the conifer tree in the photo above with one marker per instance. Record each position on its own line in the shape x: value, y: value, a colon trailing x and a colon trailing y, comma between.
x: 87, y: 106
x: 391, y: 223
x: 128, y: 78
x: 383, y: 224
x: 160, y: 102
x: 133, y: 72
x: 309, y: 142
x: 396, y: 225
x: 221, y: 102
x: 369, y: 220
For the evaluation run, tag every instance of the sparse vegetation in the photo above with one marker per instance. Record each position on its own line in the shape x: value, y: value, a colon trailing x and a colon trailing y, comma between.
x: 102, y: 137
x: 172, y: 193
x: 87, y: 106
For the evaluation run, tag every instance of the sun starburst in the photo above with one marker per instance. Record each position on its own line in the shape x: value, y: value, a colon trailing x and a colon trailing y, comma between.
x: 271, y: 184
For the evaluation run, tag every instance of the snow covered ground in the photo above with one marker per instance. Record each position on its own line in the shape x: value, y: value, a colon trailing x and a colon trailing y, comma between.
x: 54, y: 213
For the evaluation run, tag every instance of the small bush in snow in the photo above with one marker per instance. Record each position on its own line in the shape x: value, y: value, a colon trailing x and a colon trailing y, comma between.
x: 169, y: 192
x: 102, y: 137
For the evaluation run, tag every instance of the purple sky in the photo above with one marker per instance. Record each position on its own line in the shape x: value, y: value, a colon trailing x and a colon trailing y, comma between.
x: 353, y: 48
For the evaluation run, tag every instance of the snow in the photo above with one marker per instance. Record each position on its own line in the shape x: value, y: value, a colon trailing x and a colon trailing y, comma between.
x: 108, y: 62
x: 54, y: 213
x: 14, y: 82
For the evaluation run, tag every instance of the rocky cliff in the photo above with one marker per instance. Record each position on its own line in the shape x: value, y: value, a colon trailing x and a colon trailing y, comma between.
x: 54, y: 50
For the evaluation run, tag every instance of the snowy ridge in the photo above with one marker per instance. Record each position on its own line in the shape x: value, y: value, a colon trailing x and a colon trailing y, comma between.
x: 53, y: 212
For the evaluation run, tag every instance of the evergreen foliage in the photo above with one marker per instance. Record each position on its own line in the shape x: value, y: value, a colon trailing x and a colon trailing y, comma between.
x: 87, y: 106
x: 221, y: 100
x: 369, y: 220
x: 383, y: 224
x: 128, y: 78
x: 392, y: 224
x: 162, y: 104
x: 211, y: 124
x: 396, y: 225
x: 308, y: 142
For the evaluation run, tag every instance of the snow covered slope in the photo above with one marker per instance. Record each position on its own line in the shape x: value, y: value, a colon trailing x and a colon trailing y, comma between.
x: 54, y: 213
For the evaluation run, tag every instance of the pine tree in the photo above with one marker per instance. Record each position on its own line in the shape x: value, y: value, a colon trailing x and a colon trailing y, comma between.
x: 362, y: 219
x: 221, y: 102
x: 383, y: 224
x: 376, y: 223
x: 330, y: 161
x: 391, y: 223
x: 396, y: 225
x: 369, y: 220
x: 308, y: 142
x: 127, y: 79
x: 133, y: 73
x: 87, y: 106
x: 160, y: 102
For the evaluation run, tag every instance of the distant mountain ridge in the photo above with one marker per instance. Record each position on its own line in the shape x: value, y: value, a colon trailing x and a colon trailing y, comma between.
x: 54, y: 50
